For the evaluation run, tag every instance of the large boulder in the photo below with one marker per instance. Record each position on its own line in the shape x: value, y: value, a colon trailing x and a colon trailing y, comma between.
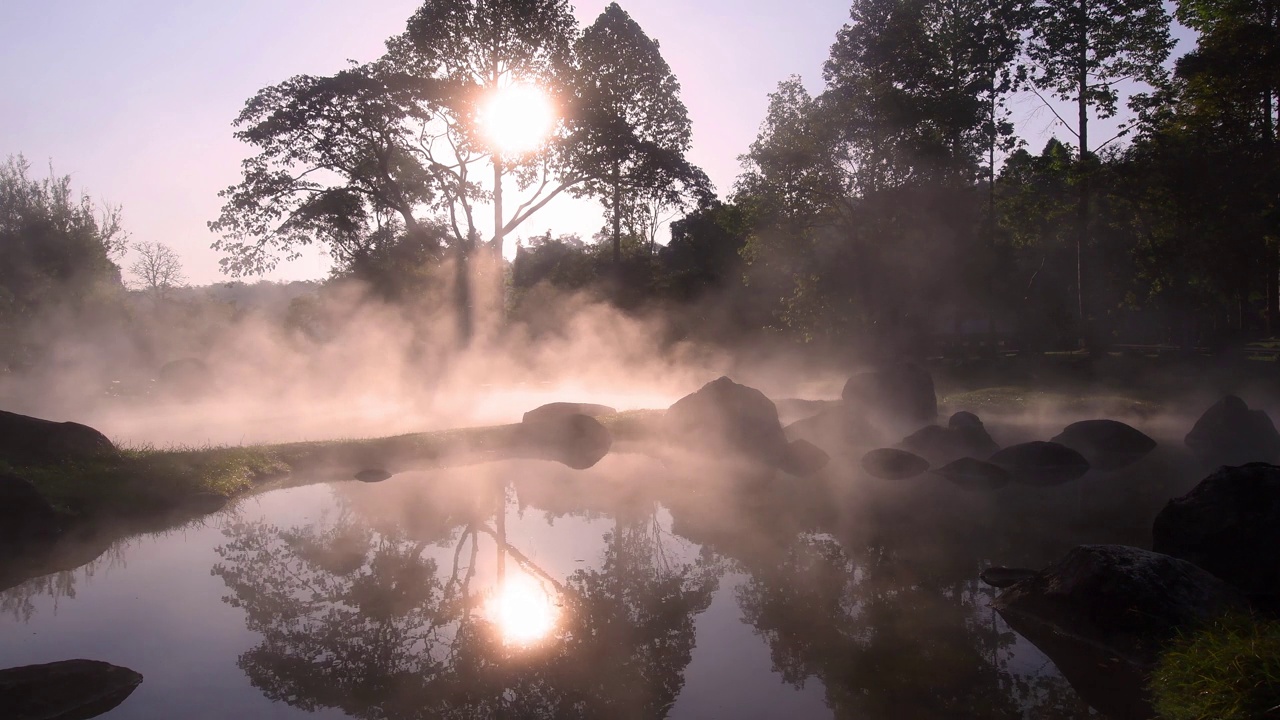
x: 1229, y: 433
x: 900, y: 394
x: 66, y: 690
x: 725, y: 417
x: 561, y: 409
x: 1106, y: 444
x: 972, y: 474
x: 25, y: 515
x: 1041, y: 464
x: 893, y: 464
x: 1125, y: 601
x: 1229, y: 524
x: 25, y: 439
x: 578, y: 441
x: 964, y: 436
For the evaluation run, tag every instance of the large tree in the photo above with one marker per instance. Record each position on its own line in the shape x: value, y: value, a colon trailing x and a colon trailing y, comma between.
x: 1084, y: 52
x: 631, y: 124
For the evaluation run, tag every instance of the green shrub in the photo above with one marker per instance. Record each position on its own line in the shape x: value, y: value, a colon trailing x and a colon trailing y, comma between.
x: 1227, y: 670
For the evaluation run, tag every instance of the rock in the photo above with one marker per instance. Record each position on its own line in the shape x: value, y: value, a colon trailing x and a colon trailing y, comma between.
x: 1003, y: 577
x: 974, y: 474
x: 1041, y: 463
x: 1229, y: 525
x: 561, y: 409
x: 725, y: 417
x: 1229, y: 433
x: 899, y: 394
x: 25, y: 515
x: 804, y: 458
x: 578, y: 441
x: 27, y: 439
x: 1122, y: 600
x: 372, y: 475
x: 893, y: 464
x: 206, y: 502
x: 66, y: 690
x: 186, y: 378
x: 964, y: 436
x: 835, y: 428
x: 1106, y: 444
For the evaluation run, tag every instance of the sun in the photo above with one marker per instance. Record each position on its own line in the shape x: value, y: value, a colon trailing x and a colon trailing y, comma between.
x: 516, y: 119
x: 522, y: 610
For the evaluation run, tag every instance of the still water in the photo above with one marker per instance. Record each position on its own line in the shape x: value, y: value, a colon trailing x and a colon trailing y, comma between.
x: 524, y: 589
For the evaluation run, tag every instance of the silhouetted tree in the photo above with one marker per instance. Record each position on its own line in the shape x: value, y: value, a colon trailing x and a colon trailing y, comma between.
x: 158, y: 269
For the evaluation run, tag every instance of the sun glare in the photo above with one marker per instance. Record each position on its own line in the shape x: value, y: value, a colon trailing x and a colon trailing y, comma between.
x: 517, y: 119
x: 522, y: 610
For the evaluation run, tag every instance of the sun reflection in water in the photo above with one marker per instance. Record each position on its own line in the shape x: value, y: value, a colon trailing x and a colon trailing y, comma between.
x: 522, y: 610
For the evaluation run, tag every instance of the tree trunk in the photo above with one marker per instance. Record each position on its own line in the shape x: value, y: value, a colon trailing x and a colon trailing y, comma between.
x: 1082, y: 208
x: 462, y: 290
x: 617, y: 215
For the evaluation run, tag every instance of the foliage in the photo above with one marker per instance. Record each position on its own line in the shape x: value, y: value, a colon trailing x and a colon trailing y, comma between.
x: 1228, y: 670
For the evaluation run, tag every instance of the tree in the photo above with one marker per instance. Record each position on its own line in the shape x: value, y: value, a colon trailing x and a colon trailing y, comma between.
x: 158, y: 269
x: 632, y: 124
x: 1082, y: 51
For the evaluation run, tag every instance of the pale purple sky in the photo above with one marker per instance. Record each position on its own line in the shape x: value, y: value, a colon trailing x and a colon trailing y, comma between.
x: 135, y: 98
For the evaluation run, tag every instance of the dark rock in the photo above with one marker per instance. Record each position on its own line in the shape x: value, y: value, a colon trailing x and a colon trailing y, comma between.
x: 25, y: 515
x: 561, y: 409
x: 974, y: 474
x: 1229, y: 433
x: 804, y: 458
x: 578, y: 441
x: 372, y: 475
x: 1229, y: 524
x: 27, y: 439
x: 1003, y: 577
x: 66, y: 690
x: 964, y: 436
x: 1122, y: 600
x: 835, y: 428
x: 1106, y: 444
x: 725, y: 417
x: 893, y: 464
x: 899, y: 394
x: 1041, y: 463
x: 186, y: 378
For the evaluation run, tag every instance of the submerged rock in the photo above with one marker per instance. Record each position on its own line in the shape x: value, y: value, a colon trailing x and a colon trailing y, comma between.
x: 1229, y: 525
x: 1123, y: 600
x: 725, y: 417
x: 899, y: 394
x: 562, y: 409
x: 1003, y: 577
x: 372, y: 475
x: 66, y: 690
x: 893, y: 464
x: 26, y: 439
x: 964, y: 436
x: 1106, y: 444
x: 1041, y: 463
x: 578, y: 441
x: 974, y: 474
x: 25, y: 515
x: 1229, y: 433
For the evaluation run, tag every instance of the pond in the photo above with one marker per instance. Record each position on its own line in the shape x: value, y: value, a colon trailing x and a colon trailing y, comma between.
x: 525, y: 589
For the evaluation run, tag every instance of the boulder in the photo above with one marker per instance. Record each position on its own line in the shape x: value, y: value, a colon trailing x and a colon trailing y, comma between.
x: 1106, y: 444
x: 66, y: 690
x: 578, y: 441
x: 836, y: 429
x: 1229, y: 433
x: 25, y: 439
x: 964, y: 436
x: 561, y: 409
x: 1229, y: 525
x: 186, y: 378
x: 893, y: 464
x: 1041, y: 464
x: 25, y: 515
x: 900, y: 394
x: 974, y: 474
x: 725, y: 417
x: 1003, y: 577
x: 372, y: 475
x: 804, y: 458
x: 1122, y: 600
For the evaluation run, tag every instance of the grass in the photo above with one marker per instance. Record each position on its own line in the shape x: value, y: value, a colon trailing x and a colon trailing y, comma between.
x: 1227, y: 670
x: 1017, y: 399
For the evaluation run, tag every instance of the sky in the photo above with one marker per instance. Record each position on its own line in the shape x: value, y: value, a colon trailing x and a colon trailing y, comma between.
x: 135, y: 98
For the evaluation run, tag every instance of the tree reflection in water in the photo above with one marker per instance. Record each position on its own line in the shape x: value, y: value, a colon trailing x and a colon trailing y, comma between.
x: 369, y: 623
